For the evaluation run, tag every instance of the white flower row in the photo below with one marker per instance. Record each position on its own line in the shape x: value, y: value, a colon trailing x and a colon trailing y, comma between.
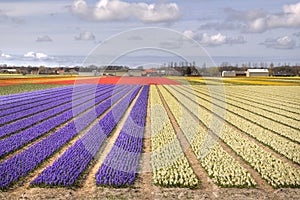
x: 275, y: 98
x: 282, y: 92
x: 269, y: 124
x: 169, y: 164
x: 290, y: 118
x: 257, y: 103
x: 276, y: 172
x: 220, y: 166
x: 251, y: 115
x: 282, y: 145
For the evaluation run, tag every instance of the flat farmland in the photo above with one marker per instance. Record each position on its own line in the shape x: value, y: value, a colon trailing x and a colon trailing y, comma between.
x: 153, y: 138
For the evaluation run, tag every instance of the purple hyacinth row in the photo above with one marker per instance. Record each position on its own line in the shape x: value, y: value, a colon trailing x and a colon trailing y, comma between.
x: 66, y: 169
x: 22, y: 163
x: 6, y: 104
x: 27, y: 97
x: 76, y: 108
x: 16, y: 141
x: 121, y: 164
x: 30, y: 95
x: 43, y: 101
x: 55, y: 101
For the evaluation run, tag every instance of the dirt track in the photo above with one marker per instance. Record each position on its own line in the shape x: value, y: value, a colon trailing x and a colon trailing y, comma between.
x: 137, y: 192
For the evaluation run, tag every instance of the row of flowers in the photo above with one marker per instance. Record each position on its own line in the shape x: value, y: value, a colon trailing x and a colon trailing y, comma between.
x: 273, y: 107
x: 119, y: 168
x: 169, y: 164
x: 285, y: 93
x: 54, y: 105
x: 280, y: 144
x: 9, y: 101
x: 67, y: 168
x: 268, y: 120
x: 28, y: 106
x: 286, y: 116
x: 73, y: 108
x: 276, y: 98
x: 19, y: 165
x: 276, y: 172
x: 223, y: 169
x: 32, y: 133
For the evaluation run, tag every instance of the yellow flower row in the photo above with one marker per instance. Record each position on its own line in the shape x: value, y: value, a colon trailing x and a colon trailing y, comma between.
x: 252, y: 115
x: 220, y: 166
x: 169, y: 164
x: 276, y: 172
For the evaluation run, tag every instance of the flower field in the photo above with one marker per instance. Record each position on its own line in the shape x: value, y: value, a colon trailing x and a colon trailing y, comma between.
x: 66, y: 137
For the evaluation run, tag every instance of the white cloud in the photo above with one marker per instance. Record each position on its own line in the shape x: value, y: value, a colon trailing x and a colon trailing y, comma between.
x: 236, y: 15
x: 41, y: 56
x: 29, y: 54
x: 44, y: 38
x: 189, y: 34
x: 258, y: 25
x: 288, y: 18
x: 212, y: 40
x: 86, y: 35
x: 3, y: 55
x: 220, y: 39
x: 258, y: 20
x: 284, y: 42
x: 33, y: 55
x: 79, y: 7
x: 117, y: 10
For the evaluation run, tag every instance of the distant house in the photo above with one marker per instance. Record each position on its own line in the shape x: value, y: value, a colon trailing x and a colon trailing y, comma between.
x: 240, y: 73
x: 228, y: 73
x: 150, y: 72
x: 10, y: 71
x: 162, y: 72
x: 257, y: 72
x: 122, y: 72
x: 94, y: 73
x: 109, y: 72
x: 172, y: 72
x: 60, y: 71
x: 135, y: 72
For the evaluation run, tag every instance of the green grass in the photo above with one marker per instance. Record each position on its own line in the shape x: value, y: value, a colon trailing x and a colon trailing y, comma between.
x: 19, y: 88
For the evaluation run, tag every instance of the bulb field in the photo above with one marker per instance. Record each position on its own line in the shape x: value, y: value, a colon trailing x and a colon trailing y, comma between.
x: 193, y: 137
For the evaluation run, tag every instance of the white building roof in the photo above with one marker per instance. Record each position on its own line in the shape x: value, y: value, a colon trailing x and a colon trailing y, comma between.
x: 9, y: 70
x: 258, y: 70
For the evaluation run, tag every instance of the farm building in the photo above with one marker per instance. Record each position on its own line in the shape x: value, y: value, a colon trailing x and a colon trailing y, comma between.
x: 121, y: 72
x: 150, y: 72
x: 240, y: 73
x: 135, y: 72
x: 228, y: 73
x: 10, y: 71
x: 257, y: 72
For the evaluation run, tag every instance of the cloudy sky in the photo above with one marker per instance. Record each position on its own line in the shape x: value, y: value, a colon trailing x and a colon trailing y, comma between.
x: 39, y: 29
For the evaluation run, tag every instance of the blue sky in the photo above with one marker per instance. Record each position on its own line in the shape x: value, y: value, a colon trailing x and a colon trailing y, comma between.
x: 39, y: 29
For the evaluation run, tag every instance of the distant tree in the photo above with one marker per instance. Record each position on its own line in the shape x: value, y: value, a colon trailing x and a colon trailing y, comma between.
x: 194, y: 64
x: 42, y: 70
x: 188, y: 71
